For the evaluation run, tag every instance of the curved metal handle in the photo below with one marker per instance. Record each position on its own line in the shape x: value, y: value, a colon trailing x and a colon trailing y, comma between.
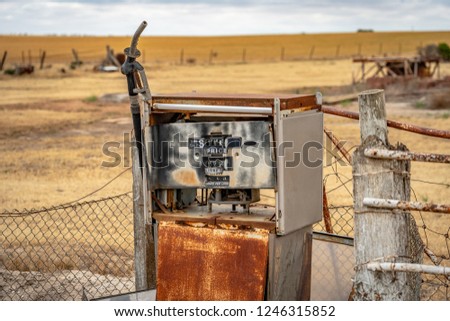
x: 134, y: 40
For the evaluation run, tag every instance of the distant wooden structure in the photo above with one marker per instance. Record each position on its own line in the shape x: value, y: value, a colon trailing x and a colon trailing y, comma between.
x: 396, y: 67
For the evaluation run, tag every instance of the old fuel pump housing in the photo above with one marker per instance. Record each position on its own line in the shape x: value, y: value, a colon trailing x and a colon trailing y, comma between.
x: 235, y: 184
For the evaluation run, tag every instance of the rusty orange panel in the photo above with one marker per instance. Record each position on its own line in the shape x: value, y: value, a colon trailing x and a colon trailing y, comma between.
x: 203, y: 264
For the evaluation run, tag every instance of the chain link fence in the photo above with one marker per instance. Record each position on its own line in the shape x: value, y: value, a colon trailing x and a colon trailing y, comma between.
x: 341, y: 220
x: 63, y: 252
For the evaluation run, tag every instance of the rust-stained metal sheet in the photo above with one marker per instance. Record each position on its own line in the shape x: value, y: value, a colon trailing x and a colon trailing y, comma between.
x: 205, y: 264
x: 287, y: 101
x: 238, y: 221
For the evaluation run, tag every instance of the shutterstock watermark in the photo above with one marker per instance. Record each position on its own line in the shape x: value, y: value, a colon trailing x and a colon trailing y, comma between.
x: 198, y: 152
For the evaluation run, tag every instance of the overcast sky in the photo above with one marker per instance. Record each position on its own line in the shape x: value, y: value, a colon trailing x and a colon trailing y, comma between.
x: 220, y: 17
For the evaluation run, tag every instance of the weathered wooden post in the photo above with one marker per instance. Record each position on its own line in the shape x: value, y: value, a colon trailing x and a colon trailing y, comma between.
x: 75, y: 56
x: 311, y: 52
x: 2, y: 62
x: 140, y: 256
x: 41, y: 66
x: 382, y: 235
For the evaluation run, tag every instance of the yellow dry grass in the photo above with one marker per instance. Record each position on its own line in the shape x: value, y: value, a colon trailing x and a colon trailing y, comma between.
x: 228, y: 48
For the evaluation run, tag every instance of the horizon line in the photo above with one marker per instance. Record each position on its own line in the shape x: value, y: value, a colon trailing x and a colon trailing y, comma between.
x: 364, y: 31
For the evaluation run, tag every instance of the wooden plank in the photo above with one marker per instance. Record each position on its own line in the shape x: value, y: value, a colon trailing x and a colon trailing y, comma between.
x: 305, y: 277
x: 140, y: 235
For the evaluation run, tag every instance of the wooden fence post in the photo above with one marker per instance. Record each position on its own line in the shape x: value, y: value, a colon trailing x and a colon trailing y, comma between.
x: 382, y: 235
x: 2, y: 62
x: 42, y: 60
x: 311, y: 52
x: 75, y: 56
x: 140, y: 256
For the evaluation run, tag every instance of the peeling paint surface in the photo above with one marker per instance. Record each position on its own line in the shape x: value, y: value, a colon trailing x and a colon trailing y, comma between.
x: 211, y: 264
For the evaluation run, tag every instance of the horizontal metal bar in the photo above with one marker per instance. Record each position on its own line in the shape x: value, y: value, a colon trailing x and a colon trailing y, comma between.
x: 391, y: 123
x: 214, y: 109
x: 334, y: 238
x: 404, y: 155
x: 408, y: 267
x: 404, y: 205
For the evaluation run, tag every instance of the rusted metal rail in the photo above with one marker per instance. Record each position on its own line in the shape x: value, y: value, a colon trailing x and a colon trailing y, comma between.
x: 326, y: 213
x: 405, y: 205
x: 408, y: 267
x: 391, y: 123
x: 344, y: 152
x: 404, y: 155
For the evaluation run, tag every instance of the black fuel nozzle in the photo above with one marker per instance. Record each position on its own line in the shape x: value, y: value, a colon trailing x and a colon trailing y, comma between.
x: 130, y: 69
x: 131, y: 66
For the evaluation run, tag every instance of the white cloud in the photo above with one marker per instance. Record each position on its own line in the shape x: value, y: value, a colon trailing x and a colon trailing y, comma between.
x: 202, y: 17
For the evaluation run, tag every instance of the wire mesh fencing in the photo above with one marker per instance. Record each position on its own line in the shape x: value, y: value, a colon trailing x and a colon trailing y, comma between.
x: 434, y: 231
x: 341, y: 220
x: 67, y: 251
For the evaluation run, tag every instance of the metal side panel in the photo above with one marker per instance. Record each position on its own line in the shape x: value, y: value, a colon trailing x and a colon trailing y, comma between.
x: 204, y: 264
x: 285, y: 265
x: 299, y: 170
x: 332, y: 270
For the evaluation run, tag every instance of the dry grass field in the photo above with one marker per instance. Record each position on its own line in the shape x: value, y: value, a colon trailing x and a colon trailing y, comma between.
x: 53, y: 125
x: 229, y: 48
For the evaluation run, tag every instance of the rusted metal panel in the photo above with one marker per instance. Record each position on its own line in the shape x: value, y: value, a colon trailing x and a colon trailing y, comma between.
x: 287, y: 101
x: 237, y: 221
x: 210, y: 263
x: 405, y: 205
x: 405, y: 155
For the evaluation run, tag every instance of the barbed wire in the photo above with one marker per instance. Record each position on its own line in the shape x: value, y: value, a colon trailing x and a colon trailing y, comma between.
x: 430, y: 182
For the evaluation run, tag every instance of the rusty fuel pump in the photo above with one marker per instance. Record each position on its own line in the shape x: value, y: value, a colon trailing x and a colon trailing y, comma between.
x: 211, y: 163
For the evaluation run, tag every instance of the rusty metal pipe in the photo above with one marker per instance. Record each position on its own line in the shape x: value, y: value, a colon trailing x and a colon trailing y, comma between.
x: 344, y: 152
x: 408, y: 267
x: 404, y: 155
x: 326, y: 213
x: 391, y: 123
x: 405, y: 205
